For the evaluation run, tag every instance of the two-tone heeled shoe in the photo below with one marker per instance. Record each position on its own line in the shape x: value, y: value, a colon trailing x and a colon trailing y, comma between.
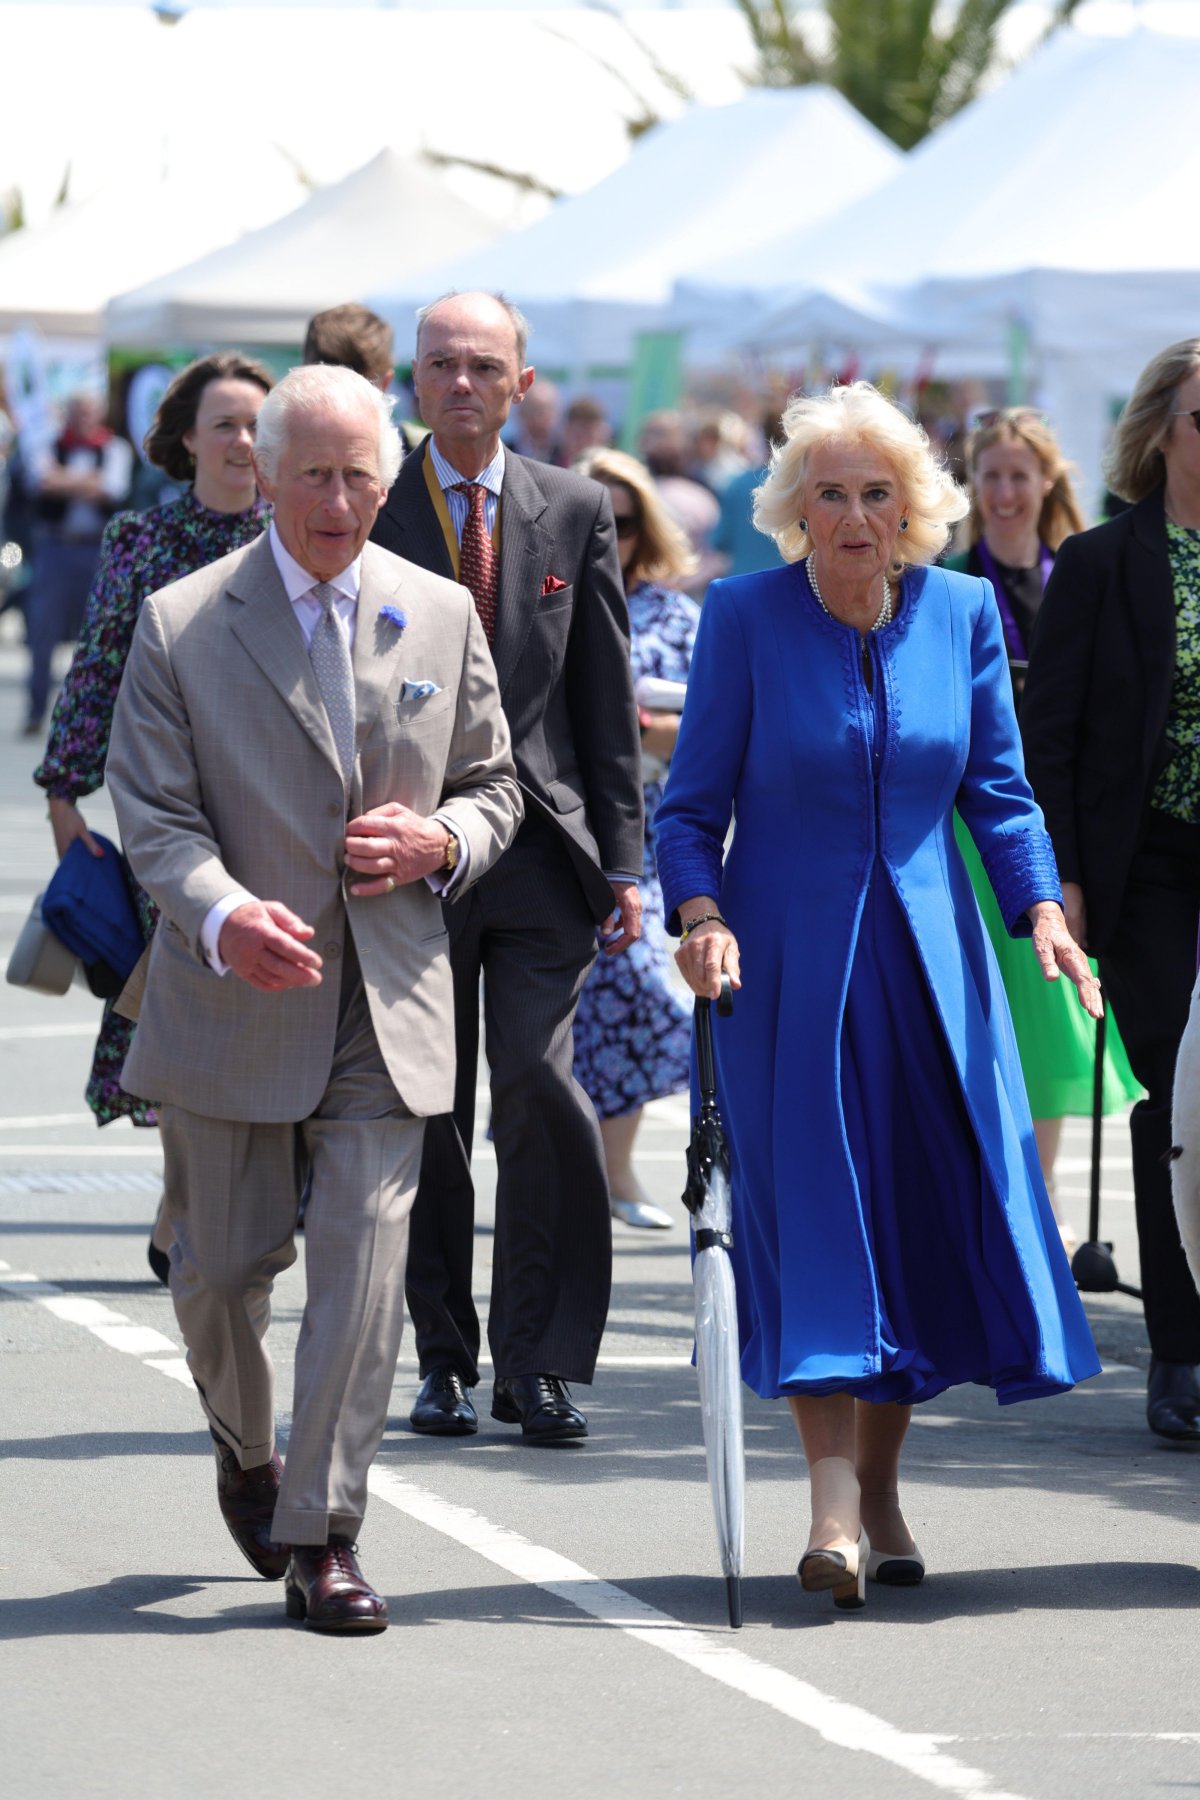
x: 843, y: 1572
x: 891, y: 1569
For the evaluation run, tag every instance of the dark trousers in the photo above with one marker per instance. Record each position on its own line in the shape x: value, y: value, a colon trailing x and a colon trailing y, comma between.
x: 526, y: 929
x: 54, y: 607
x: 1148, y: 971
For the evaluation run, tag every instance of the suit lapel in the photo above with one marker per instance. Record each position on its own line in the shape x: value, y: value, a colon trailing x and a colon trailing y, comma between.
x: 525, y: 547
x: 267, y: 628
x: 415, y: 531
x: 377, y: 641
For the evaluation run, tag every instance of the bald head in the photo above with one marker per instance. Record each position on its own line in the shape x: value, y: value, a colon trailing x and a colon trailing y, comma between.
x: 468, y: 374
x: 481, y: 310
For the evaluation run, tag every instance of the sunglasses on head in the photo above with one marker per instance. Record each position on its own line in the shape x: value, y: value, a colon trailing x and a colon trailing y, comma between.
x: 1007, y: 415
x: 627, y: 525
x: 1193, y: 416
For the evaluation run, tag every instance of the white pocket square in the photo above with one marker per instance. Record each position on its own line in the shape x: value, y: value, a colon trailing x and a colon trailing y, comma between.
x: 419, y: 690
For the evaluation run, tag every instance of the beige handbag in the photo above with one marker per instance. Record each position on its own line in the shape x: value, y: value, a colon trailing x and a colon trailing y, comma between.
x: 40, y: 960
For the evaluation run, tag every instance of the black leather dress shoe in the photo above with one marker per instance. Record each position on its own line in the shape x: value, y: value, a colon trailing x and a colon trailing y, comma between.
x: 327, y: 1589
x: 541, y: 1405
x: 444, y: 1407
x: 247, y: 1501
x: 1173, y: 1400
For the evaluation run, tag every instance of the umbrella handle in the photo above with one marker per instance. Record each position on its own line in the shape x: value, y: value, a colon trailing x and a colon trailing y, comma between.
x: 705, y: 1067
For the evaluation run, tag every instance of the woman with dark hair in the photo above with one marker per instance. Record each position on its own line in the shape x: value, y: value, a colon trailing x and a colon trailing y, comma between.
x: 203, y: 434
x: 1023, y: 507
x: 1111, y: 722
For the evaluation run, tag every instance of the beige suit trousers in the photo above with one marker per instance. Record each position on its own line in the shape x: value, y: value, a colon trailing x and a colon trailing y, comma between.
x: 232, y: 1195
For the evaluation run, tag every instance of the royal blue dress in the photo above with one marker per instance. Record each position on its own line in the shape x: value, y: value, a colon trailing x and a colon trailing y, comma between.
x: 892, y: 1231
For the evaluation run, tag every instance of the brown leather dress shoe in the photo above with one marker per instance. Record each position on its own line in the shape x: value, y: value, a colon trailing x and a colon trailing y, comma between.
x: 247, y: 1501
x: 326, y: 1588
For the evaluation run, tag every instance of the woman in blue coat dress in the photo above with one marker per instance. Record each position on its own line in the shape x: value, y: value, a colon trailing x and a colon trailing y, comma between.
x: 892, y: 1231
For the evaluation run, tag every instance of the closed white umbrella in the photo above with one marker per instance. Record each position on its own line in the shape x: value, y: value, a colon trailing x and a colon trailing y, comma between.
x: 718, y: 1363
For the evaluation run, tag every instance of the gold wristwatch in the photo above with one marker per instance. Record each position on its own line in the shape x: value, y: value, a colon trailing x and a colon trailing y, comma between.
x: 453, y: 850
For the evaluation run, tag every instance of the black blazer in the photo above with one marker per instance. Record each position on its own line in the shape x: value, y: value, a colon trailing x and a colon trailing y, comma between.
x: 562, y: 657
x: 1094, y: 712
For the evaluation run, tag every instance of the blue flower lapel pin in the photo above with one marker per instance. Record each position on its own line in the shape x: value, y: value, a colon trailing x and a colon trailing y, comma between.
x: 394, y: 616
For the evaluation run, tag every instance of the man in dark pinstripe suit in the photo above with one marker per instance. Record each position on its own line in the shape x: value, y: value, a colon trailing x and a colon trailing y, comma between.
x: 538, y: 546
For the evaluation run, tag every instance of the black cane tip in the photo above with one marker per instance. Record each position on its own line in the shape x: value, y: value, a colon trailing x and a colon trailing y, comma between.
x: 733, y: 1595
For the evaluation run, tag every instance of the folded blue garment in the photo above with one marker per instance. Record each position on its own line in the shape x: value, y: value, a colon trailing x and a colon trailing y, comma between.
x: 89, y: 905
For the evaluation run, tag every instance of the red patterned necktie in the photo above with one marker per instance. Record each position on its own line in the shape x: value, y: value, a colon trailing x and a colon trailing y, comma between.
x: 477, y: 557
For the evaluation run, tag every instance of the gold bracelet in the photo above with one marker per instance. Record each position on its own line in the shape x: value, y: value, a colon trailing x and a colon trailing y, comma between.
x: 704, y: 919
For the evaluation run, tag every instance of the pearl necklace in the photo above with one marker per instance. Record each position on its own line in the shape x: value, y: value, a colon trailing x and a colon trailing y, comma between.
x: 885, y: 611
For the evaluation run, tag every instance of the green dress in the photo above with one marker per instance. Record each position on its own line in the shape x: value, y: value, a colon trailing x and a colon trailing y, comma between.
x: 1055, y: 1038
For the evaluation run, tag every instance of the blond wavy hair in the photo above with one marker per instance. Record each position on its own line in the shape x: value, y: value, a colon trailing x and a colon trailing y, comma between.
x: 1060, y: 514
x: 858, y: 414
x: 1135, y: 465
x: 664, y: 552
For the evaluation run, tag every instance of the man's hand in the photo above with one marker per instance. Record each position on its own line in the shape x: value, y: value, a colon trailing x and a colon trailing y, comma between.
x: 627, y: 913
x: 393, y: 846
x: 265, y: 943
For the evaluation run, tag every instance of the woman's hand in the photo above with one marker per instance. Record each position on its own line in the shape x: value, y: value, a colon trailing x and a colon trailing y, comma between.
x: 659, y: 732
x: 709, y: 949
x: 1056, y: 949
x: 1076, y: 912
x: 67, y: 823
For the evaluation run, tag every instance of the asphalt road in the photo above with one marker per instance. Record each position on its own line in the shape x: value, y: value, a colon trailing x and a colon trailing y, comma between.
x: 557, y: 1615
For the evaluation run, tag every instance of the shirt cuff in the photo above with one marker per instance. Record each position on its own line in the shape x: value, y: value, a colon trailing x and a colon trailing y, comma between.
x: 620, y: 875
x: 444, y: 881
x: 210, y: 931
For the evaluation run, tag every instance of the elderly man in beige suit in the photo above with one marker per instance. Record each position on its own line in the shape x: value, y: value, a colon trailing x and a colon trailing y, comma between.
x: 308, y: 749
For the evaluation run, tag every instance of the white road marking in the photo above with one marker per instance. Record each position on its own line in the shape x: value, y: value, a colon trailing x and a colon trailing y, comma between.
x: 98, y: 1152
x: 61, y: 1181
x: 11, y: 1033
x: 836, y: 1721
x: 852, y: 1728
x: 39, y: 1121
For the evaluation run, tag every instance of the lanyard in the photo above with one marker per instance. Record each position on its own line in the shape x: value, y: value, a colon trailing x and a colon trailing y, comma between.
x: 1012, y: 631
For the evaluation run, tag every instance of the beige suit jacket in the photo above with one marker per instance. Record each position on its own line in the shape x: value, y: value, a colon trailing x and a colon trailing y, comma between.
x: 224, y: 774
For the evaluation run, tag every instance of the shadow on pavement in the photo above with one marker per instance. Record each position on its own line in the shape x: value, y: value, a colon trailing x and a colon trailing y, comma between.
x: 88, y: 1446
x: 115, y: 1607
x: 646, y: 1429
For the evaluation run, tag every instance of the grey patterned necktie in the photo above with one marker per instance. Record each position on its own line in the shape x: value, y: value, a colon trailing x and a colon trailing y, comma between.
x: 330, y: 656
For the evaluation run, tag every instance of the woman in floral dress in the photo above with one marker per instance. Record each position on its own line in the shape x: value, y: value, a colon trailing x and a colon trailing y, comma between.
x: 203, y: 433
x: 632, y: 1030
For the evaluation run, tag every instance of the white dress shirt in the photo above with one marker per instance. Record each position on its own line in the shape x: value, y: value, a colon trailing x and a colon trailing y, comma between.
x: 298, y: 585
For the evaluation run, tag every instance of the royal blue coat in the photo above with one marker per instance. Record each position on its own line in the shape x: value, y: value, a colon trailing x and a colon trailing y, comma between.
x: 779, y: 737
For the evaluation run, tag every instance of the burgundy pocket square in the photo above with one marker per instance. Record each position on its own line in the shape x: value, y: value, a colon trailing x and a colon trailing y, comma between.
x: 552, y: 585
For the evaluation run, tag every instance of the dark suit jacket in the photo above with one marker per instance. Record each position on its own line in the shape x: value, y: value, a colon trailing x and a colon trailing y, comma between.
x: 1094, y: 712
x: 562, y: 658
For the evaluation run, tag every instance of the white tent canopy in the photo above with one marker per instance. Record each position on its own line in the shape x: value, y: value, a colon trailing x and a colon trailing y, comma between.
x: 1050, y: 221
x: 61, y: 274
x: 392, y: 217
x: 601, y: 266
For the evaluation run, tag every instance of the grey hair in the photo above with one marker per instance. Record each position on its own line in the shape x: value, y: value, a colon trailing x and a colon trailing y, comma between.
x: 324, y: 387
x: 518, y: 321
